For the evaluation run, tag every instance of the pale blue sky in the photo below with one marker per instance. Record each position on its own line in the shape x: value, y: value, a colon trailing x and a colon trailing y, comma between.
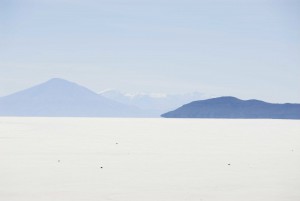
x: 243, y: 48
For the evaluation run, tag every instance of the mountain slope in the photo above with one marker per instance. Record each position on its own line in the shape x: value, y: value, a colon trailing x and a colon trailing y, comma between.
x: 58, y: 97
x: 231, y: 107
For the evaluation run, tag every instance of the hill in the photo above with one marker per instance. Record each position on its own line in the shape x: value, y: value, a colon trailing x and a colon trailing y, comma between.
x: 231, y: 107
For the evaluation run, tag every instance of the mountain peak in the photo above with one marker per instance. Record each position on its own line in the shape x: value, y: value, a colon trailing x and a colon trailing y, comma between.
x: 56, y: 79
x: 227, y: 98
x: 59, y: 81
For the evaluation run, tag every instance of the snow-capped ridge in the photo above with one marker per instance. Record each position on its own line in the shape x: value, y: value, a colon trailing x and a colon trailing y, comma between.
x: 158, y: 102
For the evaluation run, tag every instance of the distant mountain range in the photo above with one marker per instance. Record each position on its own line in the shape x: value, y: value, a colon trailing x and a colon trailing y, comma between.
x: 231, y: 107
x: 154, y: 104
x: 58, y: 97
x: 61, y: 98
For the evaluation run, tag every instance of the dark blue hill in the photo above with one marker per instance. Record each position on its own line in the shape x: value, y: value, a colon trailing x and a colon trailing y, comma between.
x: 231, y: 107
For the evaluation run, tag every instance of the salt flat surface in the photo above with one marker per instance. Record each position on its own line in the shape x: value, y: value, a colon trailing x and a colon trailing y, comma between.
x: 60, y: 159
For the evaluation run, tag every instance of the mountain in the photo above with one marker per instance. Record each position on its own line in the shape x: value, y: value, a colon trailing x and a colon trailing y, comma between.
x: 231, y: 107
x: 154, y: 104
x: 58, y: 97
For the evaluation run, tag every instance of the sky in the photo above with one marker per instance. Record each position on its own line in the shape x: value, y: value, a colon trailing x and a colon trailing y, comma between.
x: 243, y: 48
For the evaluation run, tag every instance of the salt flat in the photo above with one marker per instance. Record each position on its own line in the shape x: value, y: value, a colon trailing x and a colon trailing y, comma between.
x: 98, y: 159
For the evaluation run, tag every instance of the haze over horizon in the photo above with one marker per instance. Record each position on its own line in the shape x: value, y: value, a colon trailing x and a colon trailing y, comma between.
x: 247, y: 49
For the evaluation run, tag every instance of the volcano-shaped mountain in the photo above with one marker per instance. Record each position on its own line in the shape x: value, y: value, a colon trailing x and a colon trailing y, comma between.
x: 58, y: 97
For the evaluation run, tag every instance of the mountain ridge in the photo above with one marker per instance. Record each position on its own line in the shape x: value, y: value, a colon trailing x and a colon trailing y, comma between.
x: 232, y: 107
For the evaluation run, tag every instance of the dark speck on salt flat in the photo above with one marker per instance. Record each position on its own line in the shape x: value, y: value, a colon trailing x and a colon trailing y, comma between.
x: 228, y: 164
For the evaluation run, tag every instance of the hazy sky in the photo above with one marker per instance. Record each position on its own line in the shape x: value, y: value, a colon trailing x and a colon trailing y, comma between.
x: 244, y: 48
